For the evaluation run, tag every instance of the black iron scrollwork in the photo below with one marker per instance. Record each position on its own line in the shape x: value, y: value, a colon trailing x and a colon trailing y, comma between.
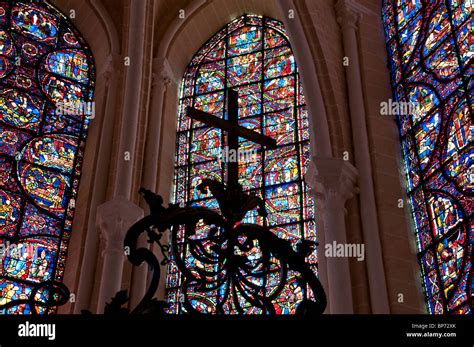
x: 236, y: 261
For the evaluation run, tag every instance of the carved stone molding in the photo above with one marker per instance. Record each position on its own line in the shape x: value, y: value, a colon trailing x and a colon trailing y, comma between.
x: 112, y: 67
x: 162, y: 73
x: 114, y: 218
x: 333, y: 181
x: 349, y: 13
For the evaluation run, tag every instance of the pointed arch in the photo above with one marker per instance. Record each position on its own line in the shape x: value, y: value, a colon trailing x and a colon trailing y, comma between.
x: 47, y: 83
x: 251, y: 54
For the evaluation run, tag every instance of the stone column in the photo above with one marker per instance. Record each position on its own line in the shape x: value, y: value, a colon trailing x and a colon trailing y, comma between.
x: 114, y: 218
x: 348, y: 16
x: 127, y: 139
x: 162, y: 78
x: 110, y: 76
x: 131, y: 99
x: 333, y: 182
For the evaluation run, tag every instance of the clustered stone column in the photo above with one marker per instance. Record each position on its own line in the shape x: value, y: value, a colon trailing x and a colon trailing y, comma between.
x: 333, y: 182
x: 162, y: 78
x: 114, y: 218
x: 110, y: 75
x: 348, y: 16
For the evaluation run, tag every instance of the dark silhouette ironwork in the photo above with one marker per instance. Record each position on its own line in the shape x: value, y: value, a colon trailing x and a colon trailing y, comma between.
x: 227, y: 264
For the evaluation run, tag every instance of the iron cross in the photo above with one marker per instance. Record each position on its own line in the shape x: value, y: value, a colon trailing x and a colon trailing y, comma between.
x: 234, y: 130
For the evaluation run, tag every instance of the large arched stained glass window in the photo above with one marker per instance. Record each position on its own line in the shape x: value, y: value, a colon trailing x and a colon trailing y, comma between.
x: 252, y: 55
x: 46, y: 90
x: 430, y: 46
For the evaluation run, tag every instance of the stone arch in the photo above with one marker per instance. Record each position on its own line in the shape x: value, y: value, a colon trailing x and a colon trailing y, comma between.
x: 98, y: 29
x: 316, y: 39
x: 177, y: 45
x: 183, y: 38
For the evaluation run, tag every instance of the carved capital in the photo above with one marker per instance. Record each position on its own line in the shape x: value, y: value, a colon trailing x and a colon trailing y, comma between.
x: 114, y: 218
x: 162, y: 74
x: 112, y: 66
x: 333, y: 181
x: 348, y: 14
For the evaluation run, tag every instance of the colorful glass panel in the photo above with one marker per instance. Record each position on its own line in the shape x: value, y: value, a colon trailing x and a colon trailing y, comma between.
x: 430, y: 48
x: 44, y: 65
x: 252, y: 55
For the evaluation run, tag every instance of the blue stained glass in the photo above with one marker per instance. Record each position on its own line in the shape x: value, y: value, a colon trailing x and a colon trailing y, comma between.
x: 251, y: 55
x: 40, y: 149
x: 433, y: 69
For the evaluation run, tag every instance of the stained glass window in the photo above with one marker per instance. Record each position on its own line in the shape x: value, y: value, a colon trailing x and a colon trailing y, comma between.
x: 46, y: 90
x: 252, y: 55
x: 430, y: 47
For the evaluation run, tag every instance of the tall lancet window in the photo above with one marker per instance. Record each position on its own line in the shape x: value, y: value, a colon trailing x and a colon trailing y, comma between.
x: 252, y: 55
x: 46, y: 90
x: 430, y: 47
